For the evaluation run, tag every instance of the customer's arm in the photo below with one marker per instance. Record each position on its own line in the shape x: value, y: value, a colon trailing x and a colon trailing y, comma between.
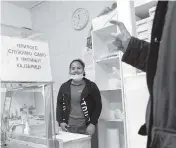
x: 136, y: 53
x: 135, y: 50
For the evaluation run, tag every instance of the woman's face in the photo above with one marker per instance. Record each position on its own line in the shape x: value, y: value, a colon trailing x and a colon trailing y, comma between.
x: 76, y: 68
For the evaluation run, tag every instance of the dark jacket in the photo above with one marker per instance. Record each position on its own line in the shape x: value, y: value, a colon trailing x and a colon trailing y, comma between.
x: 152, y: 58
x: 90, y: 102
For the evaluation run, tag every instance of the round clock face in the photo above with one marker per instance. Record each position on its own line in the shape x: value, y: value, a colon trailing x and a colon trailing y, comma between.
x: 80, y: 18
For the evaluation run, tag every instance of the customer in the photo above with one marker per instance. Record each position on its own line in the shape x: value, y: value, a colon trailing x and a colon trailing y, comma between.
x: 78, y: 102
x: 158, y: 60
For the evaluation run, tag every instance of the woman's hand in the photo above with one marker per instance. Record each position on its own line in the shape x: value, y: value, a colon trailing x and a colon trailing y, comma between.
x: 90, y: 129
x: 64, y: 126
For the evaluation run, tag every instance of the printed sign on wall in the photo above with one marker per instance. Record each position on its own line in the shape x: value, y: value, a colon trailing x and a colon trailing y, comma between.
x: 24, y: 60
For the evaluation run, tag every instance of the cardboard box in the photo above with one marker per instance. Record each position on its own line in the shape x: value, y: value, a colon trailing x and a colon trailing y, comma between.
x: 142, y: 25
x: 152, y: 11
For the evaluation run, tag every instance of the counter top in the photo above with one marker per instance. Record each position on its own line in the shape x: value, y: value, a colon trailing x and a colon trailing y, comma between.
x: 68, y: 137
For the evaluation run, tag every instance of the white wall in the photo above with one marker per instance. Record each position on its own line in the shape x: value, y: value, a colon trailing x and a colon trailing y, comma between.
x: 15, y: 16
x: 54, y: 20
x: 136, y: 96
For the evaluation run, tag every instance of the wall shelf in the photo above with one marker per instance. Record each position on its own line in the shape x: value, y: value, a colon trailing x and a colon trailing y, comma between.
x: 108, y: 78
x: 116, y: 120
x: 109, y: 60
x: 112, y: 83
x: 110, y: 90
x: 101, y: 43
x: 142, y: 7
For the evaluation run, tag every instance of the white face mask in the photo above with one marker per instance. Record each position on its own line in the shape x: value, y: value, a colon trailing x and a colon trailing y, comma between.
x: 77, y: 77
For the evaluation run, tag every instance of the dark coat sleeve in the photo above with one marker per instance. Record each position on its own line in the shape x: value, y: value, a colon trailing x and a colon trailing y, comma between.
x: 96, y: 113
x: 59, y: 106
x: 137, y: 53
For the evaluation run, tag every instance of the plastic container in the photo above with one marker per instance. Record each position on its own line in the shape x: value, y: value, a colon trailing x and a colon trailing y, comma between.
x: 112, y: 138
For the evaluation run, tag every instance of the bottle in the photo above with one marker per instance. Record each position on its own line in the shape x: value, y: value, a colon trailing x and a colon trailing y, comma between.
x: 27, y: 128
x: 112, y: 108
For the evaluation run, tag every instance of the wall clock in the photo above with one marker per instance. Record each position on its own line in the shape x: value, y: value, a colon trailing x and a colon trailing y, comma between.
x: 80, y: 18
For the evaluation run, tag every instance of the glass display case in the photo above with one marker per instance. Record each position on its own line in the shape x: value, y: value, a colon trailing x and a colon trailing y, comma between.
x: 27, y: 115
x: 27, y: 110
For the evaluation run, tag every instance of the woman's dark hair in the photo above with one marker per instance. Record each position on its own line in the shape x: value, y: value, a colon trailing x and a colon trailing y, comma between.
x: 81, y: 62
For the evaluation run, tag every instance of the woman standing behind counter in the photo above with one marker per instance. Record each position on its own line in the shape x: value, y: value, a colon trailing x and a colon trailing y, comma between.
x: 78, y: 102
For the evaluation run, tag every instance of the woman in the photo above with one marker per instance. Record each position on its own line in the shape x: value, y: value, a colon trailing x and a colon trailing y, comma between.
x: 78, y: 102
